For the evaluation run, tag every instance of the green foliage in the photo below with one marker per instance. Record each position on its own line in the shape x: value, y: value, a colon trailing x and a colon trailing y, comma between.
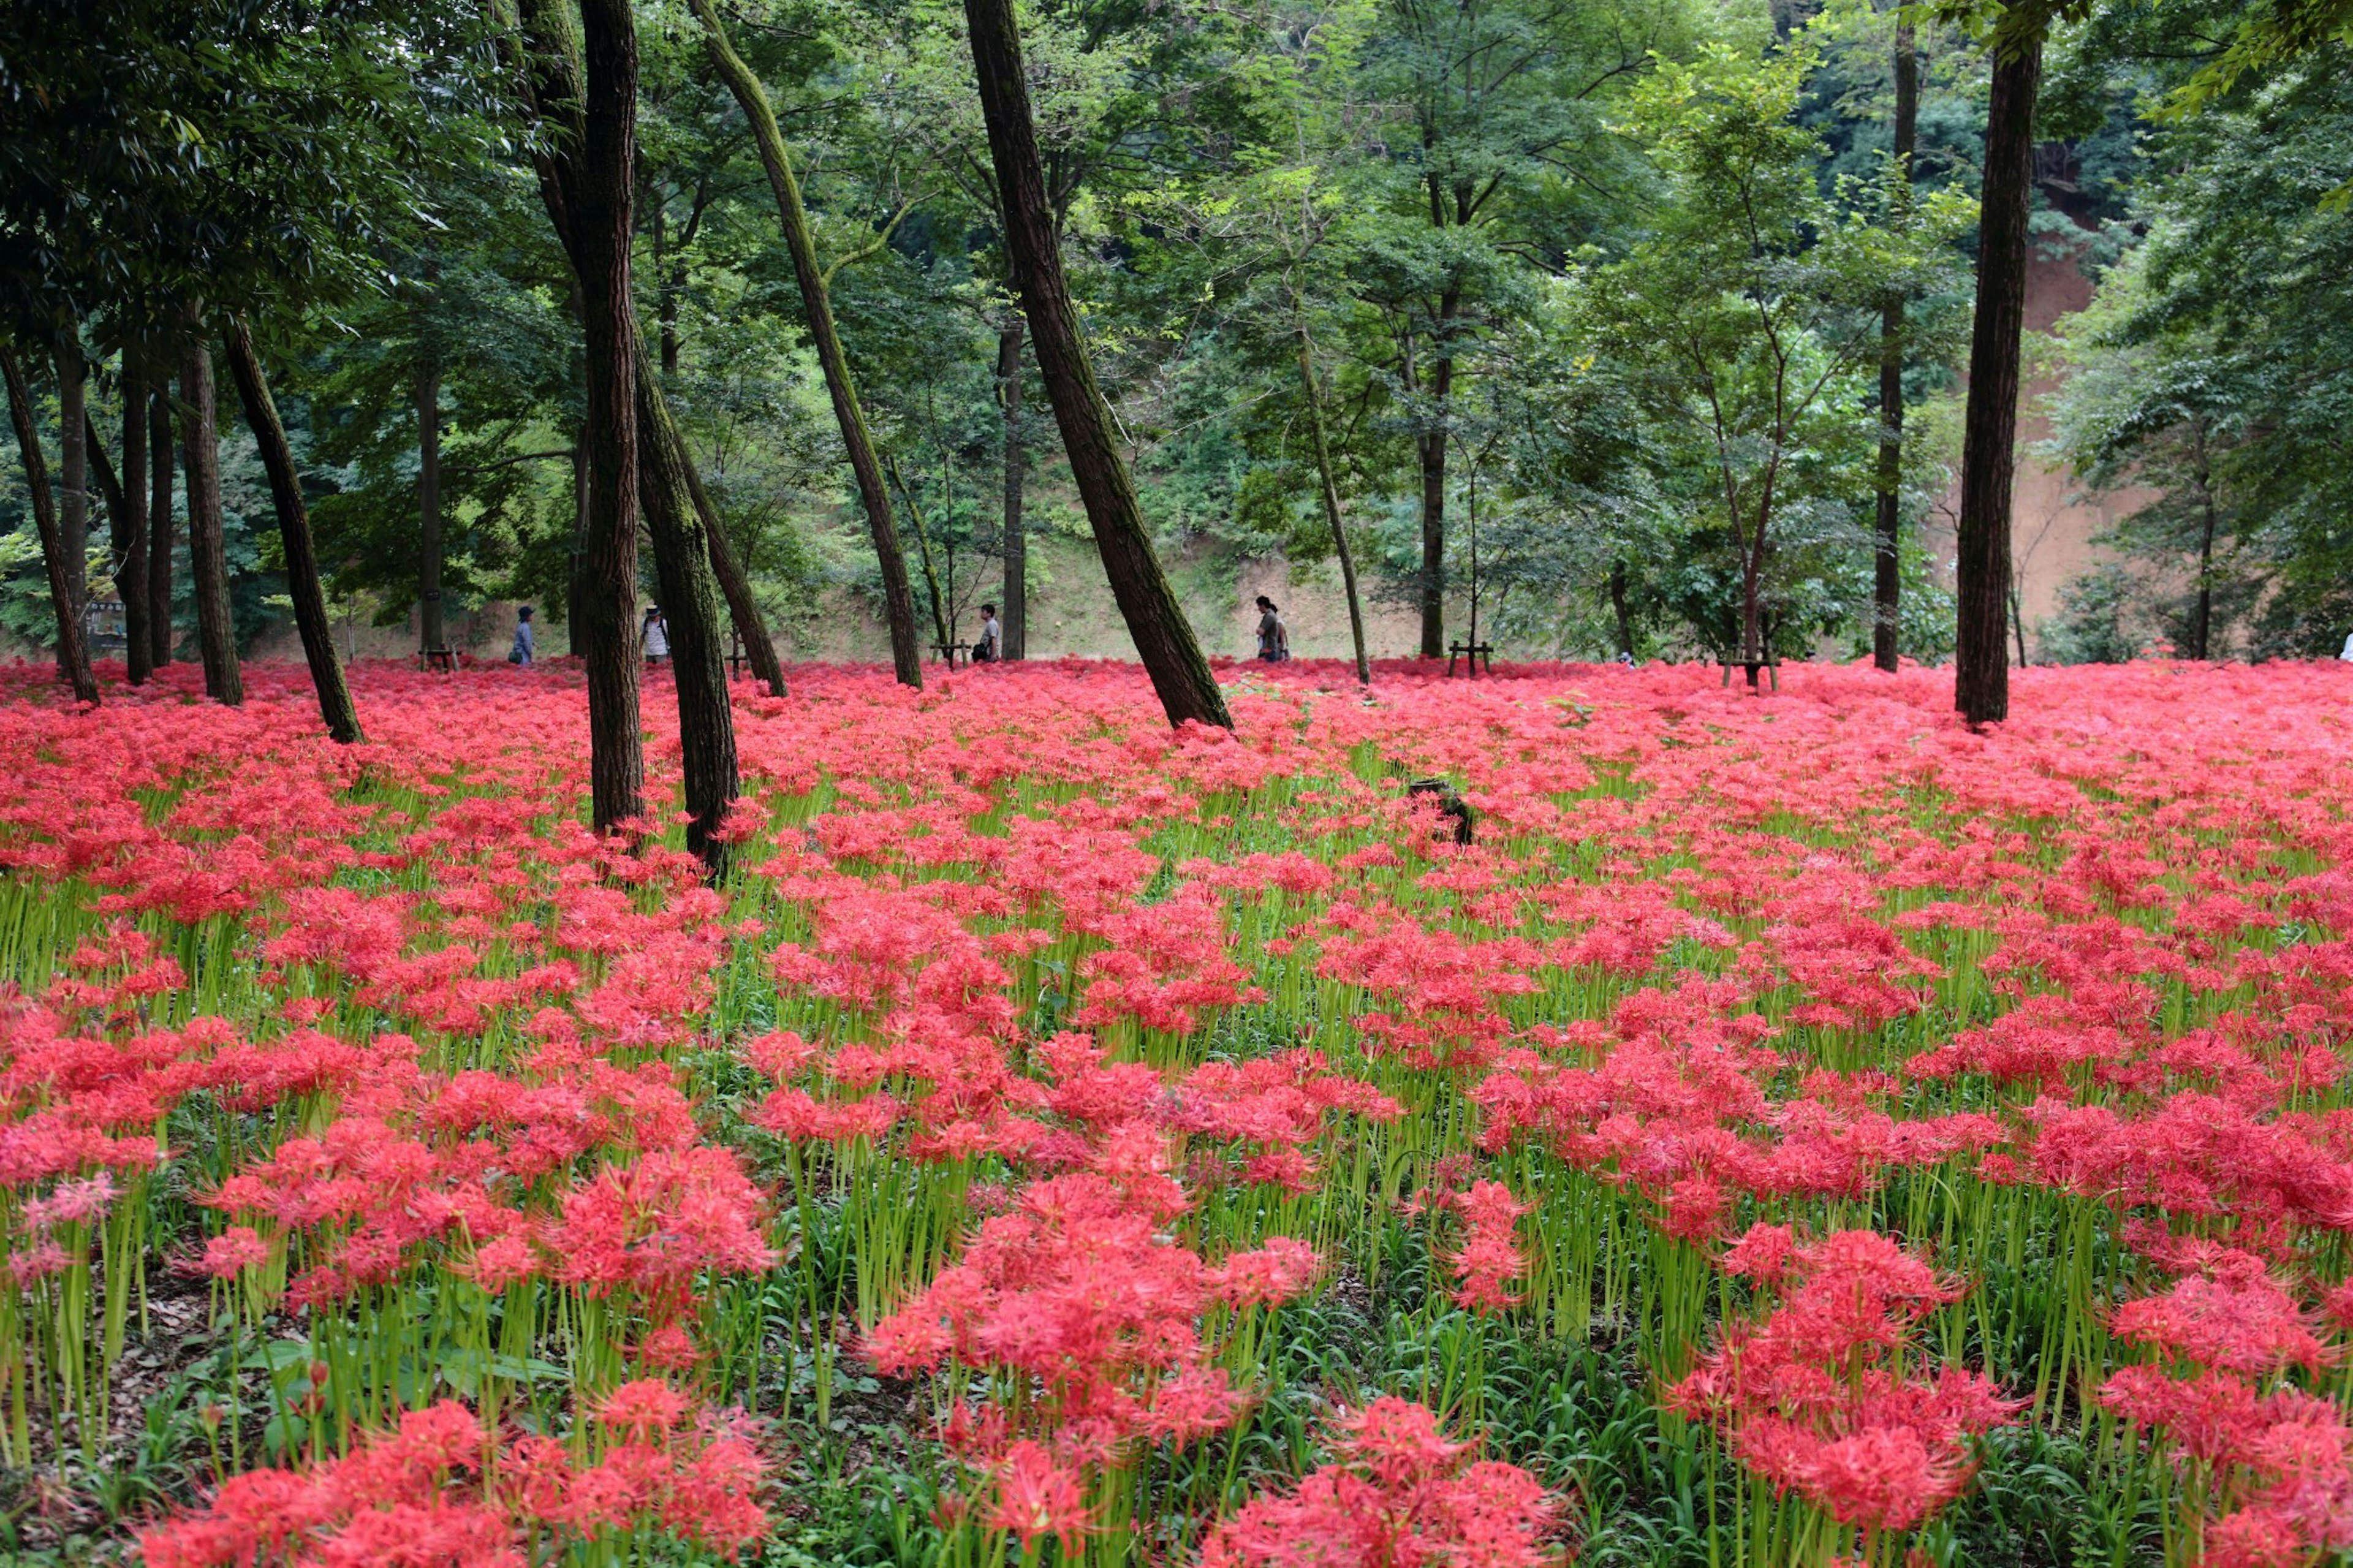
x: 1744, y: 322
x: 2095, y: 623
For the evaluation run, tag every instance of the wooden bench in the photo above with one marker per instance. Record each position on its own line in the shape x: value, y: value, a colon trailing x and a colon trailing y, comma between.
x: 1475, y: 651
x: 1770, y: 664
x: 952, y: 654
x: 441, y: 659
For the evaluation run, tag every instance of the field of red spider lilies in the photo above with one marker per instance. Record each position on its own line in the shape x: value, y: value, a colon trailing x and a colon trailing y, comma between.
x: 1794, y: 1129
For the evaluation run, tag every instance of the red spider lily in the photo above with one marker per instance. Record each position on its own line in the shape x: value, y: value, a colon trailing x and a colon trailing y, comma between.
x: 1397, y: 1494
x: 1815, y: 1397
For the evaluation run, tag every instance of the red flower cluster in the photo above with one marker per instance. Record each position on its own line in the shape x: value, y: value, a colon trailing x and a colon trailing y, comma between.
x: 1399, y: 1494
x: 1816, y: 1397
x: 439, y: 1490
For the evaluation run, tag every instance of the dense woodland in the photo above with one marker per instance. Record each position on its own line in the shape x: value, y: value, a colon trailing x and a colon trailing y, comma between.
x: 1616, y: 327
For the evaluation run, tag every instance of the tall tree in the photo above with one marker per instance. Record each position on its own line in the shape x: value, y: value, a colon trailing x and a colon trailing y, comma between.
x: 1327, y: 486
x: 1989, y: 428
x: 207, y: 552
x: 734, y: 585
x: 73, y: 470
x: 1754, y: 304
x: 159, y: 520
x: 335, y: 705
x: 898, y: 597
x: 1507, y: 145
x: 682, y: 551
x: 1016, y: 608
x: 1155, y: 621
x: 127, y: 509
x: 73, y: 652
x: 430, y: 635
x: 586, y: 172
x: 1887, y: 586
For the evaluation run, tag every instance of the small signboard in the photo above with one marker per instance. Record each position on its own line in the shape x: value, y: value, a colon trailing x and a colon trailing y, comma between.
x: 103, y: 626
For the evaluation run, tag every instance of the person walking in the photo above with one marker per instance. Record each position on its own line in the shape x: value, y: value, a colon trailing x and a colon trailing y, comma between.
x: 985, y: 651
x: 655, y: 635
x: 1273, y: 636
x: 525, y: 649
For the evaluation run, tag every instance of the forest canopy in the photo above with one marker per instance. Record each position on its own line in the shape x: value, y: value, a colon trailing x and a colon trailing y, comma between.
x: 1619, y: 328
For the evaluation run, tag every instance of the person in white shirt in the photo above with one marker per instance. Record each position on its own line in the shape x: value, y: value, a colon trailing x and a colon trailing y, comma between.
x: 2348, y: 654
x: 656, y: 633
x: 524, y: 647
x: 992, y: 637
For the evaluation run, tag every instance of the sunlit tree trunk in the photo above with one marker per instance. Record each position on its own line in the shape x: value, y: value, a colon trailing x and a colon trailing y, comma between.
x: 335, y: 705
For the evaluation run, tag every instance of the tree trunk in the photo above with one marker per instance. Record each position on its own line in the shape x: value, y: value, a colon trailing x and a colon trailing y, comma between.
x: 2201, y: 616
x: 73, y: 653
x: 586, y: 183
x: 126, y: 512
x: 1431, y: 587
x: 432, y: 634
x: 706, y: 724
x: 207, y: 559
x: 1617, y: 603
x: 1990, y: 425
x: 923, y: 553
x: 1016, y: 607
x: 159, y: 523
x: 121, y: 542
x: 335, y: 704
x: 1163, y: 638
x: 73, y: 477
x: 1331, y: 490
x: 751, y: 627
x: 898, y: 598
x: 1887, y: 596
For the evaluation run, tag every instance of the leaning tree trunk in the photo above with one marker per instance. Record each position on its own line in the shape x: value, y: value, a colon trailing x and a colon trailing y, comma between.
x: 1163, y: 638
x: 898, y: 598
x: 923, y: 554
x: 1016, y: 591
x: 431, y: 634
x: 126, y: 510
x: 207, y: 557
x: 1990, y: 425
x: 1332, y: 502
x: 159, y: 522
x: 73, y: 653
x: 1887, y: 591
x: 335, y: 704
x: 751, y: 627
x: 706, y: 725
x: 586, y: 179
